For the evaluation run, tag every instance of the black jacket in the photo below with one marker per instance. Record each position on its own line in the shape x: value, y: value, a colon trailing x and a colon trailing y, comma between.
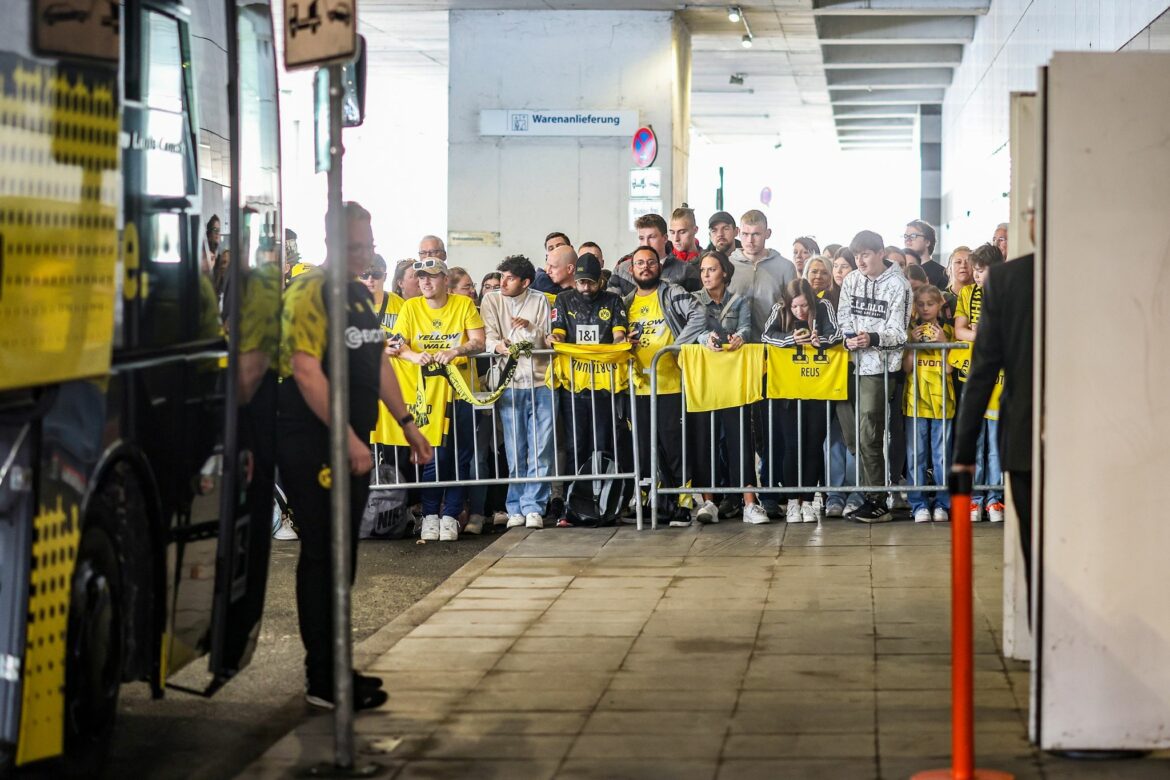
x: 936, y: 274
x: 1004, y: 342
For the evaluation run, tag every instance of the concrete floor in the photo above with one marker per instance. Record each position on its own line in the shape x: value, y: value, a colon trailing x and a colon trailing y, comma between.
x: 726, y: 651
x: 188, y: 737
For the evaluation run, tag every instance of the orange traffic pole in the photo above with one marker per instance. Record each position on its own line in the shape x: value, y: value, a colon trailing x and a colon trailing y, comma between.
x: 962, y: 644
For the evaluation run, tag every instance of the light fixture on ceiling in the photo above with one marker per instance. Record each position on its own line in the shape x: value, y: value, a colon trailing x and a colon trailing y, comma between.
x: 734, y: 14
x: 737, y: 79
x: 746, y: 41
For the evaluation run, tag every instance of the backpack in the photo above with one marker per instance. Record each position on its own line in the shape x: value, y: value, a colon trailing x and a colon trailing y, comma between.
x: 386, y: 515
x: 597, y: 503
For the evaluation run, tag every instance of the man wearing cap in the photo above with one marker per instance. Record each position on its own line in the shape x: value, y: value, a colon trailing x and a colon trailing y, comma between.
x: 723, y: 232
x: 440, y: 329
x: 590, y: 315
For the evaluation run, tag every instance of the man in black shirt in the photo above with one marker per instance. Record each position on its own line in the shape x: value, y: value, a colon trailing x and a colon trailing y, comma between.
x: 920, y: 237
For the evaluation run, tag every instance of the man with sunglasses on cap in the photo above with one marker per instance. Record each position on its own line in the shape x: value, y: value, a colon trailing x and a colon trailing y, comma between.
x: 439, y: 329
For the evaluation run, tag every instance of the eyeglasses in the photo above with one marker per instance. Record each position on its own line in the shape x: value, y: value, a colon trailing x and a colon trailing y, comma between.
x: 425, y: 265
x: 912, y: 236
x: 372, y: 275
x: 999, y: 239
x: 643, y: 263
x: 440, y: 253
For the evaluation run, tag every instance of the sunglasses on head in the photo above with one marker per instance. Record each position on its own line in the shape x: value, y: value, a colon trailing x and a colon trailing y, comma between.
x: 428, y: 263
x: 372, y: 275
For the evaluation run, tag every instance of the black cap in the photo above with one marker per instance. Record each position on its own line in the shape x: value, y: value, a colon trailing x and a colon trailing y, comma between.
x: 720, y: 216
x: 588, y: 267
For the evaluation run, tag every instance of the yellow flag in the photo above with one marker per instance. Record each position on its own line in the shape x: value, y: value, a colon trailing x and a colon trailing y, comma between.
x: 580, y: 367
x: 430, y: 414
x: 808, y: 373
x: 722, y: 380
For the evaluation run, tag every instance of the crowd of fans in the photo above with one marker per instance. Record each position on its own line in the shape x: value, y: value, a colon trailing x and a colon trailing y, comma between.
x: 893, y: 430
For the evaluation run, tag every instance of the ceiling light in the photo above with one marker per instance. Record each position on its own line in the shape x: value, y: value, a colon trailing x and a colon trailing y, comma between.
x: 734, y: 14
x: 737, y: 79
x: 746, y: 41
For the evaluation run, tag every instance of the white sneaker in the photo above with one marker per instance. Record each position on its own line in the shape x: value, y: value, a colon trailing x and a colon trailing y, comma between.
x: 448, y: 529
x: 941, y: 515
x: 708, y: 513
x: 430, y: 529
x: 834, y: 509
x: 976, y: 513
x: 922, y: 515
x: 755, y: 514
x: 533, y: 520
x: 474, y: 525
x: 995, y: 512
x: 500, y: 518
x: 285, y: 532
x: 793, y: 515
x: 515, y: 521
x: 808, y: 512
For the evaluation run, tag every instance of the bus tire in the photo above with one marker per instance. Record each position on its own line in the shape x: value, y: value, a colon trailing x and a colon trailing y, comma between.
x: 94, y: 651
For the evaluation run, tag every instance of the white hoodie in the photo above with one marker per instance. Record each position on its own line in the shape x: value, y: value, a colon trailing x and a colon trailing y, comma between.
x: 881, y: 308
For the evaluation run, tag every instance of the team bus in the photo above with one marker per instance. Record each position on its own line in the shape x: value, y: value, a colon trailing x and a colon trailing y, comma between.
x: 137, y: 365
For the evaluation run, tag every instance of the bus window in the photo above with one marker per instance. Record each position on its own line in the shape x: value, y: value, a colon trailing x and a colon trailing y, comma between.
x: 166, y: 146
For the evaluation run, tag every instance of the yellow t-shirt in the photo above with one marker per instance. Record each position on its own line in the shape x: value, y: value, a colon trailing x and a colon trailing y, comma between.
x: 722, y: 380
x: 434, y: 330
x: 932, y: 380
x: 393, y: 303
x: 970, y: 303
x: 646, y: 314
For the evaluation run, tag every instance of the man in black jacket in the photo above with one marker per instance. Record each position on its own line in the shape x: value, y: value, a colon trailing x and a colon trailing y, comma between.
x: 1004, y: 343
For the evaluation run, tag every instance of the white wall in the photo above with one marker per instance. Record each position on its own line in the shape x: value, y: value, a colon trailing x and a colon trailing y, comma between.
x: 1011, y: 42
x: 527, y: 187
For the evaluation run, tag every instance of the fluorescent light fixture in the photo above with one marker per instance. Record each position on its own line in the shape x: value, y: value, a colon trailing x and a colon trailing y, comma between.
x: 736, y: 79
x: 746, y: 41
x: 734, y: 14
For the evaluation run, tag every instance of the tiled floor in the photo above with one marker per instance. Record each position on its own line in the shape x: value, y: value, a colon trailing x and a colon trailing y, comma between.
x: 727, y: 651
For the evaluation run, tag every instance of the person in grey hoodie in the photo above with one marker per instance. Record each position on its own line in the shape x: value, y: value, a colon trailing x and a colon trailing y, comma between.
x: 874, y: 313
x: 761, y: 275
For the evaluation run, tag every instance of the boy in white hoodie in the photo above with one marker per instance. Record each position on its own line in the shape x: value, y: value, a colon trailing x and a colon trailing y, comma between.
x: 874, y: 313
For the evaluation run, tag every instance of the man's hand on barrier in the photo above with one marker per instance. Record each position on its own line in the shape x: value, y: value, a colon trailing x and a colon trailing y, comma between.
x: 556, y: 338
x: 446, y: 356
x: 421, y: 451
x: 361, y: 460
x: 502, y: 347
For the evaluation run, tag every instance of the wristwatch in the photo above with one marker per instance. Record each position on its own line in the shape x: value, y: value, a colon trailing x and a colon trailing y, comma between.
x: 406, y: 419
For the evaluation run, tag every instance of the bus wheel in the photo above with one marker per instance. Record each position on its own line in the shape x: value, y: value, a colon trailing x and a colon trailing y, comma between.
x: 93, y: 661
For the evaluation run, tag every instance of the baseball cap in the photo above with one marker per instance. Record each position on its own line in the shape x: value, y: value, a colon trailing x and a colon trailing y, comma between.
x: 588, y: 267
x: 720, y: 216
x: 432, y: 266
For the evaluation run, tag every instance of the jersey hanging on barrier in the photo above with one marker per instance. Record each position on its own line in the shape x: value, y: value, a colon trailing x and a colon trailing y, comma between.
x: 721, y: 380
x: 650, y: 333
x: 808, y: 373
x: 430, y: 415
x: 571, y: 366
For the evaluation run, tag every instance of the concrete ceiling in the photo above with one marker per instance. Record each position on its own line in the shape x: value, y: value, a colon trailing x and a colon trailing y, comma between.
x: 856, y: 71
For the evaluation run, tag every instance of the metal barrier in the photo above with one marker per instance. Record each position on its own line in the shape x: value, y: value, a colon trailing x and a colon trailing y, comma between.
x: 771, y: 485
x: 563, y: 433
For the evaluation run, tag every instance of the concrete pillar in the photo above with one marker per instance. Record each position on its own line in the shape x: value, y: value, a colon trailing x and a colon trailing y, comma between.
x: 930, y: 149
x: 524, y: 186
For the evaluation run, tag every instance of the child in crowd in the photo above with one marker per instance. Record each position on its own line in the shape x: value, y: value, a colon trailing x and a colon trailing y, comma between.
x: 928, y: 416
x: 967, y: 312
x: 802, y: 319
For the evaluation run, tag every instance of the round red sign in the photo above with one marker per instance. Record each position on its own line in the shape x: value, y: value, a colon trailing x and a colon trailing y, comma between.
x: 644, y: 147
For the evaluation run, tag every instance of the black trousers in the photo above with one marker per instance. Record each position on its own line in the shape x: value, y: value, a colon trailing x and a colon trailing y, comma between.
x: 1022, y: 499
x: 737, y: 464
x: 803, y: 464
x: 588, y: 424
x: 302, y: 460
x: 670, y: 442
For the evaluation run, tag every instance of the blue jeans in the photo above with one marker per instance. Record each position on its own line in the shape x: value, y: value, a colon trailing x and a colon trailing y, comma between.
x: 453, y: 460
x: 842, y: 466
x: 526, y: 416
x: 930, y: 438
x: 987, y: 470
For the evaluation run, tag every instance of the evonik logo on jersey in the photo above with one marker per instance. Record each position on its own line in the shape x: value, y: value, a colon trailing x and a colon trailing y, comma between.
x: 356, y: 337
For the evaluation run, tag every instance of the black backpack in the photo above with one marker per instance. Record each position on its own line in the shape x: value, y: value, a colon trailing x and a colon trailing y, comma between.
x: 597, y: 503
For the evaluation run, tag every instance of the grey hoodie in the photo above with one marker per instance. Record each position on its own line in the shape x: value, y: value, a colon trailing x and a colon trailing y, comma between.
x: 761, y: 283
x: 881, y: 308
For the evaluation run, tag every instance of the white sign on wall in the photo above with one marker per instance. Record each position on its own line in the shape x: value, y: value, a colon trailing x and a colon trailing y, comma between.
x: 570, y: 122
x: 641, y: 207
x: 646, y: 183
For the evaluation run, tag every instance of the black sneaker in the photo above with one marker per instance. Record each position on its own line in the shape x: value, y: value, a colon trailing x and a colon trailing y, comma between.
x: 556, y: 509
x: 366, y: 682
x: 363, y: 698
x: 871, y: 512
x: 730, y: 506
